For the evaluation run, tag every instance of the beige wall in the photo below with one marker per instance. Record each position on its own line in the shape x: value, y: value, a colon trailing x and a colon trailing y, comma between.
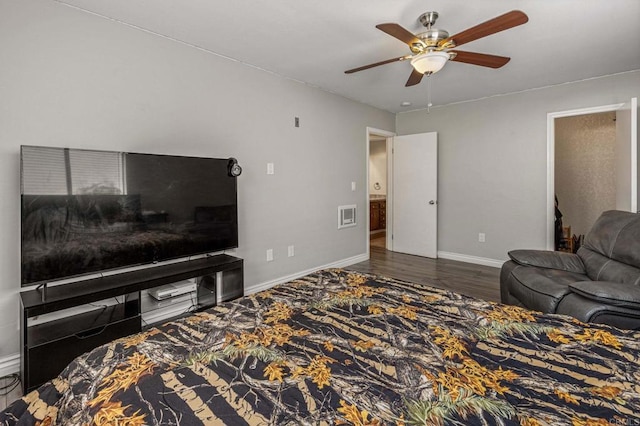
x: 378, y: 167
x: 585, y: 168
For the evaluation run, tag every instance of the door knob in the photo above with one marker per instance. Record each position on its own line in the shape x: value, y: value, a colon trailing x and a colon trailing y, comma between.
x: 431, y: 202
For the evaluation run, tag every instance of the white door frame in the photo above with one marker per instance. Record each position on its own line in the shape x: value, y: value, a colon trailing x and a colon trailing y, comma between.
x: 551, y: 154
x: 389, y: 185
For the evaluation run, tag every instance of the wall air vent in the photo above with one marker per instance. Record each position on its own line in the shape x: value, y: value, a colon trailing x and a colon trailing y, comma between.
x: 346, y: 216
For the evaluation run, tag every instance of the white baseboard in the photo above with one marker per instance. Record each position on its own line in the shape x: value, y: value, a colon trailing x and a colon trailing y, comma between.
x: 471, y: 259
x: 9, y: 364
x: 339, y: 264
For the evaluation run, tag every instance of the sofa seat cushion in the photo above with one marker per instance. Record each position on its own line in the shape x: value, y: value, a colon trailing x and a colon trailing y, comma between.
x: 541, y: 289
x: 587, y: 310
x: 611, y: 293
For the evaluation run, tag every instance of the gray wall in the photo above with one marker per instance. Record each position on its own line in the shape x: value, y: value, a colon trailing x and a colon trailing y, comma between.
x: 68, y: 78
x: 492, y: 170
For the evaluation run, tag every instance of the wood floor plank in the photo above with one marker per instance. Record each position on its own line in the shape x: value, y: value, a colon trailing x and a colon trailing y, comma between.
x: 478, y: 281
x: 3, y: 398
x: 10, y: 393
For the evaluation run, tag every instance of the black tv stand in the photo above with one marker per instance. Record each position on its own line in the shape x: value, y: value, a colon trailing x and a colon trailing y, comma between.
x: 47, y: 347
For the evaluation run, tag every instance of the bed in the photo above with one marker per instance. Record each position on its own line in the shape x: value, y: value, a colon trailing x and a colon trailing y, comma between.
x: 347, y: 348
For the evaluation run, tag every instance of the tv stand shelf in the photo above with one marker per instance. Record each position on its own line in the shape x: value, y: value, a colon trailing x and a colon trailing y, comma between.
x: 47, y: 347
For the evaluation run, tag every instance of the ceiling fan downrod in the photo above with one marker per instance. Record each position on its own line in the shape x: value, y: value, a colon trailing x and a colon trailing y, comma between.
x: 428, y: 19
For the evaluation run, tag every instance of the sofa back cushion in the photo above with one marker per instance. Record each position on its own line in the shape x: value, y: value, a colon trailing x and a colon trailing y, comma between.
x: 616, y: 235
x: 602, y: 268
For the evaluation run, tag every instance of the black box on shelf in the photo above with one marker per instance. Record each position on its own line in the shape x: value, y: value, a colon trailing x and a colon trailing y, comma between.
x: 207, y: 291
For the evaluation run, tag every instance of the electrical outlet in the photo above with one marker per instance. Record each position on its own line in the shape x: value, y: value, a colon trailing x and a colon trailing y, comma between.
x: 296, y: 122
x: 270, y: 169
x: 270, y: 255
x: 481, y: 237
x: 291, y: 251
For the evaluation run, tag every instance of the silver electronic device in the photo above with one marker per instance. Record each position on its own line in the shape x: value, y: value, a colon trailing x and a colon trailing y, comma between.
x: 172, y: 290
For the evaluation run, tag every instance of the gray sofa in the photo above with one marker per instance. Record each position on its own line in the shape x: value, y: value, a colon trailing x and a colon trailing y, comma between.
x: 600, y: 283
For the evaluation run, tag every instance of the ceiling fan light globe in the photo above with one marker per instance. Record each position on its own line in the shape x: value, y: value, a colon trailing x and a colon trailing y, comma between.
x: 429, y: 62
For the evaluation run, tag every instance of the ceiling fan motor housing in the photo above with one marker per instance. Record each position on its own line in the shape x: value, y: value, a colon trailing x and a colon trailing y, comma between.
x: 432, y: 36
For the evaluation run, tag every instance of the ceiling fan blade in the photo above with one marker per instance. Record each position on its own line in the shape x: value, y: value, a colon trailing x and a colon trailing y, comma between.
x: 399, y: 32
x: 482, y: 59
x: 414, y: 78
x: 388, y: 61
x: 492, y: 26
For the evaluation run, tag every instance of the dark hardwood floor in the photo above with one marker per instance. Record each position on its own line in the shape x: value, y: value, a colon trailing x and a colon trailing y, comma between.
x: 10, y: 390
x: 469, y: 279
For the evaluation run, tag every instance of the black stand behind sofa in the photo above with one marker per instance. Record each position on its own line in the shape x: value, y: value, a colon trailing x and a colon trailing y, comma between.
x: 600, y: 284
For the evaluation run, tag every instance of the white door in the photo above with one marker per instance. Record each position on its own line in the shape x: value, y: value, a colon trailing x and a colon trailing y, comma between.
x: 627, y: 156
x: 415, y: 191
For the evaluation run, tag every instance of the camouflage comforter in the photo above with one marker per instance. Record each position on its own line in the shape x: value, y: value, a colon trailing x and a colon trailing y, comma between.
x: 338, y: 347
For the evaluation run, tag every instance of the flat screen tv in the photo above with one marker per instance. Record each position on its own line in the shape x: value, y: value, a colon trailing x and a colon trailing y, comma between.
x: 86, y: 211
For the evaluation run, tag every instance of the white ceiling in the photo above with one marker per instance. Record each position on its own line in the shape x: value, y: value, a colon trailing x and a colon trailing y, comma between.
x: 315, y: 41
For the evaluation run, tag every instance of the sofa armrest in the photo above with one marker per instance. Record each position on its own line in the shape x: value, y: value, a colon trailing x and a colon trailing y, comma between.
x: 548, y: 259
x: 610, y: 293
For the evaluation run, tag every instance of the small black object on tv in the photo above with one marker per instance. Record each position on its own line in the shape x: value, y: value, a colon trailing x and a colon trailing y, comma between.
x: 86, y: 211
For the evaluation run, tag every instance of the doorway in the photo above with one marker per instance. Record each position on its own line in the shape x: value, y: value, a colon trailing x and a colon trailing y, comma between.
x: 585, y: 174
x: 378, y: 187
x: 411, y: 192
x: 625, y: 162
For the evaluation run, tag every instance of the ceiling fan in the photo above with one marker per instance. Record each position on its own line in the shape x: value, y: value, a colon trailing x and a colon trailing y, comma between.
x: 430, y: 50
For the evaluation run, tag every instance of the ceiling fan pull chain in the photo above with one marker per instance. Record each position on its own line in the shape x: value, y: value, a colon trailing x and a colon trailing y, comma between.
x: 429, y: 93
